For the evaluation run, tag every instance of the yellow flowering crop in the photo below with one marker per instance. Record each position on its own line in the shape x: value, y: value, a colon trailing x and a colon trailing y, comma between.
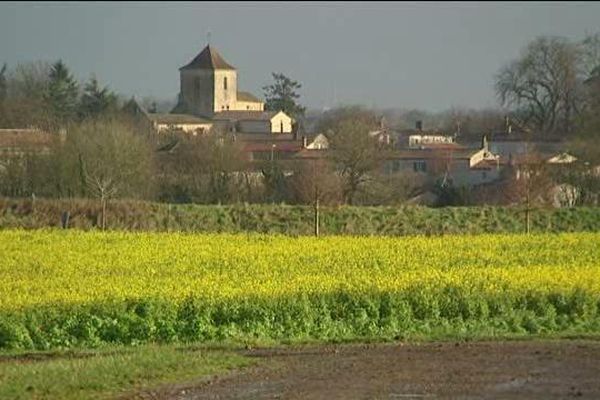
x: 52, y: 267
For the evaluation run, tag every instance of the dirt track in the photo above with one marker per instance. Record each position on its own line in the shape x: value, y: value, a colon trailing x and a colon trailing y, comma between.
x: 484, y: 370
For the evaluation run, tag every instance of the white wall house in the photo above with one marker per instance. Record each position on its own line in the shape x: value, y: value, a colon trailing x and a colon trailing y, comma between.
x: 257, y: 121
x: 183, y: 122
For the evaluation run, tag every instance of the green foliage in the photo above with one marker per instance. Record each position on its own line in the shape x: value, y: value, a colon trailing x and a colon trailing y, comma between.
x: 282, y: 96
x: 63, y: 93
x: 275, y: 183
x: 295, y: 220
x: 415, y: 312
x: 97, y: 102
x: 450, y: 195
x: 3, y: 85
x: 107, y: 373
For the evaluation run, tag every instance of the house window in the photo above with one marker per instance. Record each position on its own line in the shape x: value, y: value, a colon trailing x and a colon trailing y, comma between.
x: 419, y: 166
x: 228, y: 107
x: 225, y: 83
x: 247, y: 107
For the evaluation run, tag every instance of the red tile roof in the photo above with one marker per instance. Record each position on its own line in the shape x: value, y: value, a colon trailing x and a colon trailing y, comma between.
x: 454, y: 153
x: 307, y: 154
x: 291, y: 146
x: 25, y: 138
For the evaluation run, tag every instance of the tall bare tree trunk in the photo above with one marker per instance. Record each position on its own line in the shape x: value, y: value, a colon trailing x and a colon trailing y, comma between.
x: 528, y: 212
x: 103, y: 200
x: 317, y: 216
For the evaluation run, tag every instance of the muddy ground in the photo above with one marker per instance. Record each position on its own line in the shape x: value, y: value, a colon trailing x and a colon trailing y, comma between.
x: 472, y: 370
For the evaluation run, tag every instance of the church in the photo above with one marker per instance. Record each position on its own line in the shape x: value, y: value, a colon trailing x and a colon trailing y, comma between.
x: 209, y: 97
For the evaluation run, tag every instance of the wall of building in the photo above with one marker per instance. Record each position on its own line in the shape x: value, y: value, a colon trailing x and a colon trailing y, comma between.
x: 463, y: 175
x: 460, y: 170
x: 508, y: 149
x: 254, y: 126
x: 197, y: 89
x: 248, y: 106
x: 281, y: 123
x: 319, y: 143
x: 225, y: 98
x: 401, y: 165
x: 418, y: 140
x: 187, y: 128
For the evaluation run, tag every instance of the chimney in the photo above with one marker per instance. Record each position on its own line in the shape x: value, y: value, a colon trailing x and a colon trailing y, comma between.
x: 484, y: 144
x: 304, y: 142
x: 419, y: 125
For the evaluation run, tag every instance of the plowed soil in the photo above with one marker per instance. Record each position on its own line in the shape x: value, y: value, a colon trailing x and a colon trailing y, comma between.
x: 471, y: 370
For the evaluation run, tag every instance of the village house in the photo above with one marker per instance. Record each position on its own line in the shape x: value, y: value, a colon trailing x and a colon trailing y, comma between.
x: 18, y: 142
x: 461, y: 166
x: 275, y: 122
x: 190, y: 124
x: 420, y: 138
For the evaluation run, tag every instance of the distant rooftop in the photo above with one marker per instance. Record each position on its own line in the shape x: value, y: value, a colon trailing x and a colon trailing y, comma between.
x: 209, y: 58
x: 248, y: 97
x: 177, y: 119
x: 246, y: 115
x: 22, y: 138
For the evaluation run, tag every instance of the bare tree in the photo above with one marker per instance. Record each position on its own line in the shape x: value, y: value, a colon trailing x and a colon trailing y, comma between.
x: 528, y: 182
x: 29, y: 80
x: 355, y: 153
x: 590, y: 55
x: 205, y: 168
x: 542, y: 84
x: 24, y: 104
x: 330, y: 120
x: 106, y: 159
x: 315, y: 180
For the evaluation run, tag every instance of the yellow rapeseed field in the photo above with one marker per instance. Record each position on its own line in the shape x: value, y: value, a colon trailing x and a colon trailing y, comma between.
x: 49, y: 267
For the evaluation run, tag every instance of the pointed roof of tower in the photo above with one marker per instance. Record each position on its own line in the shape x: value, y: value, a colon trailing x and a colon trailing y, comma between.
x: 209, y: 58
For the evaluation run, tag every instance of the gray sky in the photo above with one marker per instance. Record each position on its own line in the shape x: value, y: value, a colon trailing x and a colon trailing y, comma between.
x: 401, y: 55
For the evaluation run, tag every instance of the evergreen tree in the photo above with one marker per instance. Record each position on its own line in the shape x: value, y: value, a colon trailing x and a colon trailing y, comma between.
x: 3, y: 84
x: 62, y: 93
x: 282, y: 96
x: 97, y: 101
x: 3, y: 94
x: 275, y: 183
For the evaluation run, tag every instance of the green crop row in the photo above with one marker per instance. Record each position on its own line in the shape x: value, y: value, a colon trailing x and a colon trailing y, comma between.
x: 412, y: 313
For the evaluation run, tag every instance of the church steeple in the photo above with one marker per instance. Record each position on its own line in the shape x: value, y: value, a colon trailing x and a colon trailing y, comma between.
x: 209, y: 58
x: 208, y: 85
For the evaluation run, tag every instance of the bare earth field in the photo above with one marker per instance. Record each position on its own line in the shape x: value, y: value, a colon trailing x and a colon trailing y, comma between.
x: 472, y: 370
